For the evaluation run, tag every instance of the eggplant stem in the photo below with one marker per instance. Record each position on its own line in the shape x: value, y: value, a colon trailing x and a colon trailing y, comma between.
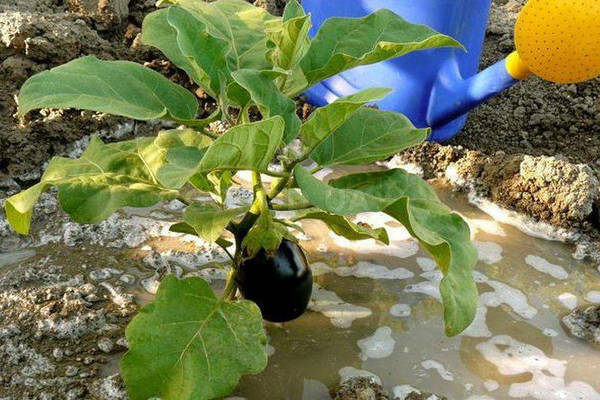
x: 230, y: 287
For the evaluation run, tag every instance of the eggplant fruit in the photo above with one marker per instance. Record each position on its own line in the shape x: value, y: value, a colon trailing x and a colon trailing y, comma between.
x: 279, y: 283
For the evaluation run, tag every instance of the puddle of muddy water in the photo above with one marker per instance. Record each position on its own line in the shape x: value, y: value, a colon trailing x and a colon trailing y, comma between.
x: 376, y: 311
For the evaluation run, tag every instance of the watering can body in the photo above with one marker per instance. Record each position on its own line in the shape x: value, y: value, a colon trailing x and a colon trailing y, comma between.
x: 432, y: 87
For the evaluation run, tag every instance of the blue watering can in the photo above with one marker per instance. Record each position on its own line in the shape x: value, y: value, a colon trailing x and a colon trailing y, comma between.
x: 438, y: 87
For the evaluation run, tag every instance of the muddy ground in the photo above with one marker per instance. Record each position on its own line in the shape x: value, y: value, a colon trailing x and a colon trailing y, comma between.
x: 533, y: 149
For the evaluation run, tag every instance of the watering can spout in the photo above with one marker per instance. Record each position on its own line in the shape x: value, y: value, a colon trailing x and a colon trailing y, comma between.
x: 453, y: 96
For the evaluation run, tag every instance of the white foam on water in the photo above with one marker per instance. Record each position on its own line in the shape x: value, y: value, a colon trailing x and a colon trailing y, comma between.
x: 593, y: 296
x: 379, y: 345
x: 569, y: 300
x: 513, y: 357
x: 322, y: 173
x: 426, y: 263
x: 401, y: 392
x: 400, y: 310
x: 340, y: 313
x: 488, y: 252
x: 479, y: 397
x: 478, y: 327
x: 397, y: 162
x: 363, y: 269
x: 550, y: 332
x: 429, y: 287
x: 396, y: 248
x: 546, y: 267
x: 351, y: 372
x: 525, y: 224
x: 491, y: 385
x: 439, y: 367
x: 488, y: 226
x: 505, y: 294
x: 247, y: 176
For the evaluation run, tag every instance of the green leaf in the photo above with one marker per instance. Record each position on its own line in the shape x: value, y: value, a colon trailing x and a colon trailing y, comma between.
x: 185, y: 41
x: 174, y: 156
x: 182, y: 227
x: 136, y: 173
x: 289, y: 42
x: 208, y: 220
x: 189, y: 345
x: 344, y: 227
x: 344, y: 43
x: 367, y: 136
x: 292, y: 10
x: 206, y: 53
x: 325, y: 120
x: 115, y: 87
x: 245, y: 147
x: 270, y: 100
x: 240, y: 24
x: 414, y: 204
x: 91, y: 199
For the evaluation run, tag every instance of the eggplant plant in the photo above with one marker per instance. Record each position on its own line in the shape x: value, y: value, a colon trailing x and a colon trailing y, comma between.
x: 190, y: 343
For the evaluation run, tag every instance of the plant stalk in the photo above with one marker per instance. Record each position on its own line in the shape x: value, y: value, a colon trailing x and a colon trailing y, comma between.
x: 231, y: 286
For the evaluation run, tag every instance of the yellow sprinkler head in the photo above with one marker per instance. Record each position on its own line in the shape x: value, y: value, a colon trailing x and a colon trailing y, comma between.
x: 558, y: 40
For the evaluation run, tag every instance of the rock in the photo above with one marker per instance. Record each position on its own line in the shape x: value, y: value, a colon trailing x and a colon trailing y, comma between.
x: 76, y: 393
x: 56, y: 38
x: 584, y: 323
x: 569, y: 189
x: 360, y: 388
x: 71, y: 370
x: 106, y: 345
x: 107, y: 14
x: 109, y: 388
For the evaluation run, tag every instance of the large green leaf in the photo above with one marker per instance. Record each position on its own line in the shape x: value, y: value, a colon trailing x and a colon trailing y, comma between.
x: 189, y: 345
x: 414, y: 204
x: 240, y: 24
x: 344, y: 227
x: 185, y: 41
x: 368, y: 135
x: 344, y: 43
x: 245, y: 147
x: 325, y: 120
x: 115, y: 87
x: 208, y: 220
x: 91, y: 188
x: 136, y: 173
x: 270, y: 100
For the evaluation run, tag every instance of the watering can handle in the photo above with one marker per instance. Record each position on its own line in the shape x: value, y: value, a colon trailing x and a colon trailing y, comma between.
x: 453, y: 96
